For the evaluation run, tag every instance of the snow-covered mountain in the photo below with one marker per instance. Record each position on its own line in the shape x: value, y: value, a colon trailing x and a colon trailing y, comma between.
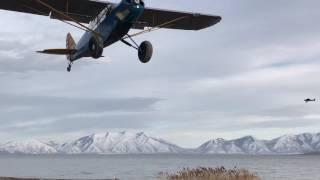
x: 27, y: 147
x: 303, y: 143
x: 245, y: 145
x: 115, y: 143
x: 137, y: 143
x: 288, y: 144
x: 108, y: 143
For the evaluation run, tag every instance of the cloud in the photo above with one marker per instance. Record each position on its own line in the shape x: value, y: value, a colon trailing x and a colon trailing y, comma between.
x: 40, y: 115
x: 248, y: 74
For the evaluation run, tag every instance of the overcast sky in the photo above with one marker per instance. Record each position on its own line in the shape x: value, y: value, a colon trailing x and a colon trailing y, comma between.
x: 247, y: 75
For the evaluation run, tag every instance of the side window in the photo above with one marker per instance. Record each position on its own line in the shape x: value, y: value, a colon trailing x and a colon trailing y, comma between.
x: 122, y: 15
x: 109, y: 10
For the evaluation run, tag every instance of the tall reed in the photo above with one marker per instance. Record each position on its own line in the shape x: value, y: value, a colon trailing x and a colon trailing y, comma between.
x: 203, y: 173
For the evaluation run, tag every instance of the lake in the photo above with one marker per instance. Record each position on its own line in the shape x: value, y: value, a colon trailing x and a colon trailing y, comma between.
x: 140, y: 167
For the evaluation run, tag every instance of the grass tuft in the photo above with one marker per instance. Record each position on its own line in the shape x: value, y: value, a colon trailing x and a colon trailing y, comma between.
x: 203, y: 173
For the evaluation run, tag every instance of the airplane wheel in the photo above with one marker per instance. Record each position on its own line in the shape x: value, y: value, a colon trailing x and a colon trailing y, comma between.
x: 69, y: 68
x: 145, y: 51
x: 95, y: 48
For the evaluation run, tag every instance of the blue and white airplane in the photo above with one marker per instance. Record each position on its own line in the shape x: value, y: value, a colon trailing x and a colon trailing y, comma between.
x: 108, y: 23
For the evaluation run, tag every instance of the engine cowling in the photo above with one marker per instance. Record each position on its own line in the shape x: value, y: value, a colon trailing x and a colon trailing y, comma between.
x: 95, y: 48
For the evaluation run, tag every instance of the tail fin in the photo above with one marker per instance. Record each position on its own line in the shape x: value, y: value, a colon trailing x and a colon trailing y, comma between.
x: 70, y: 44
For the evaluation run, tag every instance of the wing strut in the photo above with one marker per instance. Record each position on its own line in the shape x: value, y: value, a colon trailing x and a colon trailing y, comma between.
x: 164, y: 25
x: 45, y: 14
x: 82, y: 27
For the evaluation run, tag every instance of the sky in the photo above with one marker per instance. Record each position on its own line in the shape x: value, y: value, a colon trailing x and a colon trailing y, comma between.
x: 248, y: 75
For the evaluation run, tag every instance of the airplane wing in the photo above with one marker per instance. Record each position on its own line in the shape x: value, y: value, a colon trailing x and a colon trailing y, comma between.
x: 177, y: 20
x: 84, y: 11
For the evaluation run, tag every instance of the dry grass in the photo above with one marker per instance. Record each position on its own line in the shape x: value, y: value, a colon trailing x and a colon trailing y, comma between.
x: 202, y: 173
x: 12, y: 178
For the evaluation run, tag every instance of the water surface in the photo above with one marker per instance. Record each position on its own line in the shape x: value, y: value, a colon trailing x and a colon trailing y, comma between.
x: 294, y: 167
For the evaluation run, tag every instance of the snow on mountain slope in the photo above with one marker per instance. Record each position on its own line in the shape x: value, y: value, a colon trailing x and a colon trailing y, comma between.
x: 245, y: 145
x: 288, y: 144
x: 250, y: 145
x: 28, y: 147
x: 136, y: 143
x: 214, y: 146
x: 316, y: 141
x: 123, y: 142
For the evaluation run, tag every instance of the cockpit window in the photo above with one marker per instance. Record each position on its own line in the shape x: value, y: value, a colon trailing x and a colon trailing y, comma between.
x: 123, y: 14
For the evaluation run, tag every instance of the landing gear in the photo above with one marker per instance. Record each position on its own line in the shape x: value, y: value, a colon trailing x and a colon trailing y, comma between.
x: 145, y: 50
x: 69, y: 67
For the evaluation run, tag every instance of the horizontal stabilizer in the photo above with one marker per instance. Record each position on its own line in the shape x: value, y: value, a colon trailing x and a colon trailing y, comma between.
x: 58, y: 51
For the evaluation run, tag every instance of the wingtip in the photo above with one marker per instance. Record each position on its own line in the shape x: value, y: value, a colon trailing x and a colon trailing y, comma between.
x: 209, y: 22
x: 219, y: 18
x: 216, y: 20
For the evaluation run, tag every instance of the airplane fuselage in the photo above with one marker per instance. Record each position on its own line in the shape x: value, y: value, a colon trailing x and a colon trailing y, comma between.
x: 309, y: 100
x: 115, y: 25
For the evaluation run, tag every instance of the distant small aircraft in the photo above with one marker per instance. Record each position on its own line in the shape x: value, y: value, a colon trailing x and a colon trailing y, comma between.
x: 108, y: 23
x: 309, y: 100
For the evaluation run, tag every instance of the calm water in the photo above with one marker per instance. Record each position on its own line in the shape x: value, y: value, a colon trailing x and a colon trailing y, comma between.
x: 148, y: 166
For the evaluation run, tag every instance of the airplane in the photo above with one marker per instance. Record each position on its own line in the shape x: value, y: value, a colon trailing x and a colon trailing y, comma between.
x: 309, y: 100
x: 108, y: 23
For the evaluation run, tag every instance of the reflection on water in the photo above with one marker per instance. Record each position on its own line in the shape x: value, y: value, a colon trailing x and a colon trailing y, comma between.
x: 148, y: 166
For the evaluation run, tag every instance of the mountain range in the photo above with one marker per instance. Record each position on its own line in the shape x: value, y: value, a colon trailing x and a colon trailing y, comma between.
x: 140, y: 143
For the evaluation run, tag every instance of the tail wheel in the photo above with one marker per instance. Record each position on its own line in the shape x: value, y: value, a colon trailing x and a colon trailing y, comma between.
x: 145, y: 51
